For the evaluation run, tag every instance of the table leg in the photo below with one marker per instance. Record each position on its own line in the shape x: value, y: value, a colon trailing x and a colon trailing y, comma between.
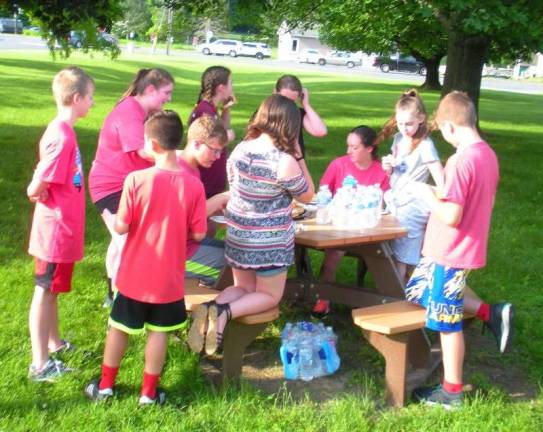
x: 225, y: 279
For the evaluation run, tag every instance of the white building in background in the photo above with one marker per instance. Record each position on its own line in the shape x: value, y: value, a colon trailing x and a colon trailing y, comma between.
x: 292, y: 42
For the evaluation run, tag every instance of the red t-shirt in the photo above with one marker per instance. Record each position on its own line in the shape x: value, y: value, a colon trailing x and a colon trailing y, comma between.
x: 120, y: 138
x: 161, y: 208
x: 214, y: 177
x: 192, y: 245
x: 58, y: 226
x: 343, y: 166
x: 471, y: 179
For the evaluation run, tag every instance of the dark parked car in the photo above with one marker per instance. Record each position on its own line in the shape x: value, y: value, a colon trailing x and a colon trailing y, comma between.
x: 77, y: 39
x: 9, y: 25
x: 400, y: 63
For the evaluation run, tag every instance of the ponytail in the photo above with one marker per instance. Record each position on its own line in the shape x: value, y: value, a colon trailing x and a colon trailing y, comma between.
x: 145, y: 77
x: 368, y: 138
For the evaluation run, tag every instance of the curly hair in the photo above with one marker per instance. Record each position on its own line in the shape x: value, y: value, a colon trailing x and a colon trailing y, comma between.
x: 212, y: 78
x: 409, y: 101
x: 278, y: 117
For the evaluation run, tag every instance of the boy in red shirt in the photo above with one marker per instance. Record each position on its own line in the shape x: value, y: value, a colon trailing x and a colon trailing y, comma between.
x: 56, y: 238
x: 455, y: 242
x: 160, y: 208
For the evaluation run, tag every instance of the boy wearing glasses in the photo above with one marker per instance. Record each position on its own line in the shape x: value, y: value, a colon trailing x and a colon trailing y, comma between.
x: 206, y: 140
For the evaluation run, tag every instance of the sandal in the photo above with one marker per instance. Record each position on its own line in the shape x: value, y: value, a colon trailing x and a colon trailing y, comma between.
x: 213, y: 337
x: 197, y: 329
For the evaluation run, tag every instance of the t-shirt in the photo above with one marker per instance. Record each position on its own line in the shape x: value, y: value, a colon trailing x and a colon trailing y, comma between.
x: 58, y: 226
x: 161, y: 208
x: 192, y: 245
x: 120, y: 138
x: 343, y: 166
x: 471, y: 179
x: 214, y: 177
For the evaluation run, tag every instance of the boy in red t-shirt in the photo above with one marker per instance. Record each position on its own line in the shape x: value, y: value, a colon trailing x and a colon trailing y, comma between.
x: 56, y: 238
x: 160, y: 208
x: 456, y: 242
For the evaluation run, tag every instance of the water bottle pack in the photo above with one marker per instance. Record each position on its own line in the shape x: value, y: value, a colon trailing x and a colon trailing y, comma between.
x: 353, y: 206
x: 308, y: 351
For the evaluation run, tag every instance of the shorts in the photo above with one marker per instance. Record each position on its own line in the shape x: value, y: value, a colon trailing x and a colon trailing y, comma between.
x: 270, y: 271
x: 54, y: 277
x: 134, y: 317
x: 207, y: 262
x: 440, y: 290
x: 110, y: 202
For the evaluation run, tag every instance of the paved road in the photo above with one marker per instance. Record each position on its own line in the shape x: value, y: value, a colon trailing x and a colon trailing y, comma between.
x: 9, y: 42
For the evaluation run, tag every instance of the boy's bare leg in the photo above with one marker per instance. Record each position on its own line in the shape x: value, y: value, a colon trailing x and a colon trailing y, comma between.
x: 471, y: 301
x: 332, y: 257
x: 54, y: 341
x: 116, y: 341
x: 39, y: 322
x: 155, y: 352
x: 452, y: 349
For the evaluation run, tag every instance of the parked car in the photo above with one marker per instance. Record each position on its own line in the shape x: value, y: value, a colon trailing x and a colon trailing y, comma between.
x: 10, y: 25
x: 309, y: 56
x: 221, y: 46
x: 400, y: 63
x: 77, y: 39
x: 255, y: 49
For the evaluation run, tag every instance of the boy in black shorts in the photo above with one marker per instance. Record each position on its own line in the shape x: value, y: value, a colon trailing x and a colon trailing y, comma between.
x: 161, y: 207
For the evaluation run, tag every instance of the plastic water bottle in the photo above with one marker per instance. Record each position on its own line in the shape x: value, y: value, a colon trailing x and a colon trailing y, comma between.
x: 330, y: 349
x: 324, y: 197
x: 306, y: 357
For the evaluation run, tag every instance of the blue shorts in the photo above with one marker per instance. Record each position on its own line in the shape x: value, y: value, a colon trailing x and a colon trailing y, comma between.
x: 440, y: 290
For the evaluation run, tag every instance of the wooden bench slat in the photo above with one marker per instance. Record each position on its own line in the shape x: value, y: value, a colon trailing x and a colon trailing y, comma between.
x: 196, y: 295
x: 262, y: 317
x: 390, y: 318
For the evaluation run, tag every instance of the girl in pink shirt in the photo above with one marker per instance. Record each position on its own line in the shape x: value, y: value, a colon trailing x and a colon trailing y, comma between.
x: 361, y: 163
x: 120, y: 151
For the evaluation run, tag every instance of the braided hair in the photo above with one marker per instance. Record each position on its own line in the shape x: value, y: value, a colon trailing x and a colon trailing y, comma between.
x: 212, y: 78
x: 409, y: 101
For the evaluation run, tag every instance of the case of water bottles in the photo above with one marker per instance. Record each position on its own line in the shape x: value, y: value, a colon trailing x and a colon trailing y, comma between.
x: 308, y: 351
x: 353, y: 206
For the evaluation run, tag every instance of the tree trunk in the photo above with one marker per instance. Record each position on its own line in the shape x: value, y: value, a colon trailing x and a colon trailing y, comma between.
x: 465, y: 58
x: 432, y: 73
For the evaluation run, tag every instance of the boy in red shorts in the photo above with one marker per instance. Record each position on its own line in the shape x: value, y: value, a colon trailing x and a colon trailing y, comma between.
x: 456, y: 242
x: 160, y: 208
x: 57, y: 234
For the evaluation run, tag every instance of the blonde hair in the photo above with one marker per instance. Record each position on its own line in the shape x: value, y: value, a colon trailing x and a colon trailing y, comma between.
x: 205, y: 128
x: 70, y: 81
x: 458, y: 108
x: 409, y: 101
x: 278, y: 117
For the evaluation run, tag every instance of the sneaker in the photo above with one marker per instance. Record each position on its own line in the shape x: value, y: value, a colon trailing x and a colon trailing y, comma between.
x: 159, y: 399
x: 437, y: 396
x: 65, y: 347
x: 51, y: 371
x: 93, y: 392
x: 321, y: 309
x: 500, y: 324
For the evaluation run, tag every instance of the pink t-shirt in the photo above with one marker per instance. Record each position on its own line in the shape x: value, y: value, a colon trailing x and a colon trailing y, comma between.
x: 58, y: 226
x: 192, y: 245
x: 471, y: 179
x: 120, y: 138
x: 214, y: 177
x: 161, y: 208
x: 343, y: 166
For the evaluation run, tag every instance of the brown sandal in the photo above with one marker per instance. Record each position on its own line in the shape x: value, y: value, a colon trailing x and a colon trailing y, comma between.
x: 213, y: 337
x: 196, y: 334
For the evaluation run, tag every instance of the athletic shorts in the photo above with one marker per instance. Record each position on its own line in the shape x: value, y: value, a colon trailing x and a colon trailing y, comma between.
x: 110, y: 202
x: 440, y: 289
x: 206, y: 262
x: 55, y: 277
x: 134, y: 317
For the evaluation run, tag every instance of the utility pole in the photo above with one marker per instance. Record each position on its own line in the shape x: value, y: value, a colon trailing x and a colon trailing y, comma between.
x: 170, y: 25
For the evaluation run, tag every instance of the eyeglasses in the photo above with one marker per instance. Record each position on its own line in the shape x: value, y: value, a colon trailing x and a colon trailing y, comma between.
x: 216, y: 152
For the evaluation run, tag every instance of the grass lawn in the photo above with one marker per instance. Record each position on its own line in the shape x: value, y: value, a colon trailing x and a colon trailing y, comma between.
x: 513, y: 125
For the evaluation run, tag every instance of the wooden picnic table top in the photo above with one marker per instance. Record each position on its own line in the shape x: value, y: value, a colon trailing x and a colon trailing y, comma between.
x: 328, y: 236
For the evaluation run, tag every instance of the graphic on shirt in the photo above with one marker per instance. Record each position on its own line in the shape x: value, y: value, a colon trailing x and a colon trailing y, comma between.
x: 76, y: 180
x: 401, y: 168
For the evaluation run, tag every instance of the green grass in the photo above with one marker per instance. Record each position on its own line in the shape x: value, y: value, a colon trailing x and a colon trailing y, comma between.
x: 512, y: 124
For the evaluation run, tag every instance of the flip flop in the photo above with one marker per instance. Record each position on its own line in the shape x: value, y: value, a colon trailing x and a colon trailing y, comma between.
x: 197, y: 330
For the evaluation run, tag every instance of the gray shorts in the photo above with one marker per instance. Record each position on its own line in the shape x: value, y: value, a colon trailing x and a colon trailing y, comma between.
x: 207, y: 262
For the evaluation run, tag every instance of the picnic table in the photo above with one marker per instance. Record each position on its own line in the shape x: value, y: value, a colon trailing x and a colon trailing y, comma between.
x: 389, y: 323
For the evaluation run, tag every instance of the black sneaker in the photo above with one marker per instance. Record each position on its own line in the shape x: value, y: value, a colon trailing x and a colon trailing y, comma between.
x: 437, y: 396
x: 500, y: 324
x: 159, y: 399
x: 93, y: 392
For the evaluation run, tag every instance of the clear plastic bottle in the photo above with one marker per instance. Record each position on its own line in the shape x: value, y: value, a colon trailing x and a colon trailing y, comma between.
x: 324, y: 197
x: 305, y: 353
